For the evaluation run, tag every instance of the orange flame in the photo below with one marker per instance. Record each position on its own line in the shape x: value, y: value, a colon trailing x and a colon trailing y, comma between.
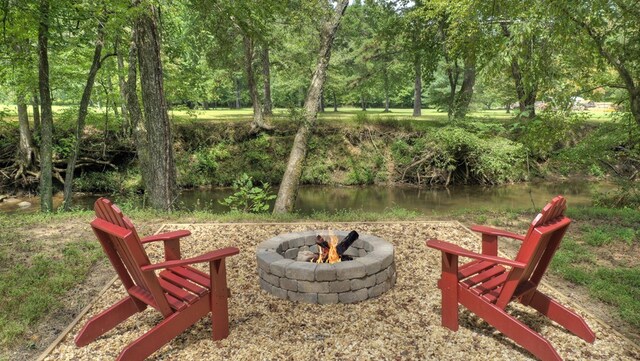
x: 333, y: 256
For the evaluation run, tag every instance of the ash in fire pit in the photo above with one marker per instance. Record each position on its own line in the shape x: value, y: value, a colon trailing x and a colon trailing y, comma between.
x: 285, y: 269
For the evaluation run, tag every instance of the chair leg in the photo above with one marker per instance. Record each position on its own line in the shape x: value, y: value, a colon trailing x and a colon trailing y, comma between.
x: 562, y: 315
x: 108, y: 319
x: 219, y: 300
x: 449, y: 287
x: 511, y: 327
x: 164, y: 332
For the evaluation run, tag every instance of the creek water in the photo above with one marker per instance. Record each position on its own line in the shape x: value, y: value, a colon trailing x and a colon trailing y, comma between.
x: 377, y: 198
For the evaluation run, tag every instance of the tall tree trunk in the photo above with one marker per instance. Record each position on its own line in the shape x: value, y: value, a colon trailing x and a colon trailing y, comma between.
x: 82, y: 116
x: 161, y: 168
x: 453, y: 73
x: 25, y: 155
x: 135, y: 114
x: 126, y: 121
x: 291, y: 180
x: 35, y: 105
x: 634, y: 99
x: 363, y: 105
x: 266, y: 75
x: 46, y: 144
x: 526, y: 94
x: 386, y: 92
x: 463, y: 98
x: 417, y: 87
x: 526, y: 97
x: 335, y: 102
x: 322, y: 101
x: 237, y: 93
x: 258, y: 120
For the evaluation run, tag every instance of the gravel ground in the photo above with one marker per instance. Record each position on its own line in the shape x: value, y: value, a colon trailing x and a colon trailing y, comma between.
x: 402, y: 324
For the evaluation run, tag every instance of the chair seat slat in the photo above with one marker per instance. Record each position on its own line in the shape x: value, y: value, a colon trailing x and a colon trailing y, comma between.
x: 483, y: 276
x: 177, y: 292
x: 473, y: 267
x: 193, y: 275
x: 180, y: 281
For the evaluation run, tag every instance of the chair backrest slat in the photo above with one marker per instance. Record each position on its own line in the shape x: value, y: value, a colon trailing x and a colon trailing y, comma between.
x: 542, y: 240
x: 128, y: 255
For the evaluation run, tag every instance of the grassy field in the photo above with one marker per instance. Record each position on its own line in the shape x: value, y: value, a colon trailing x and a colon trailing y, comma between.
x: 344, y: 114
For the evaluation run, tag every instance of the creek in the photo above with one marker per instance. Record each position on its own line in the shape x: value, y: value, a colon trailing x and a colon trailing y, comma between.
x: 378, y: 198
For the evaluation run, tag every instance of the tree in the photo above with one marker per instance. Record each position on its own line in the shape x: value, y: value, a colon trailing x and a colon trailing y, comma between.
x: 161, y: 176
x: 613, y: 28
x: 46, y: 137
x: 291, y: 179
x: 82, y: 114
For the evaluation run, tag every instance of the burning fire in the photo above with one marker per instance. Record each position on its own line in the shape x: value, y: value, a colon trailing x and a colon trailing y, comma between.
x: 332, y: 256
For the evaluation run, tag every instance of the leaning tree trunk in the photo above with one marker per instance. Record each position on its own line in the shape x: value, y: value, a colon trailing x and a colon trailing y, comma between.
x: 266, y: 74
x: 82, y: 116
x: 291, y: 179
x: 46, y: 143
x: 25, y: 156
x: 161, y: 168
x: 463, y: 98
x: 417, y: 87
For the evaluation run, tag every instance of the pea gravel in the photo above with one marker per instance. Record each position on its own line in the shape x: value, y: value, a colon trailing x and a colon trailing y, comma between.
x: 402, y: 324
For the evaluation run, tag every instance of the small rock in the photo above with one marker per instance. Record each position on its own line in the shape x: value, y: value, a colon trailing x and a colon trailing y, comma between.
x: 305, y: 256
x: 24, y: 204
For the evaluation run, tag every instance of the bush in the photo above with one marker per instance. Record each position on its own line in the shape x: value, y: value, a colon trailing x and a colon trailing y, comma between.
x: 111, y: 182
x: 247, y: 197
x: 549, y: 132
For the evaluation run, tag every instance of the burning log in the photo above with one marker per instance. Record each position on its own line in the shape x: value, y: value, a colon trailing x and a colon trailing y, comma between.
x: 325, y: 249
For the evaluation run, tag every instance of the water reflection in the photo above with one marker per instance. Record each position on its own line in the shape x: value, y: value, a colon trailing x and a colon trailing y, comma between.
x: 377, y: 199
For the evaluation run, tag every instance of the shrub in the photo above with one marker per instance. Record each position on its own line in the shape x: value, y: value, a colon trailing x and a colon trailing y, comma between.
x: 549, y: 131
x: 248, y: 198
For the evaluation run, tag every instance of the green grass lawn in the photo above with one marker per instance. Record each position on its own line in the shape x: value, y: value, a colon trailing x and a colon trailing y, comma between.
x: 344, y: 114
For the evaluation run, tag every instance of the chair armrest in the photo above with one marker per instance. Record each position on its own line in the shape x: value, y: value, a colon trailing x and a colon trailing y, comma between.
x: 166, y: 236
x: 207, y: 257
x: 496, y: 232
x: 451, y: 248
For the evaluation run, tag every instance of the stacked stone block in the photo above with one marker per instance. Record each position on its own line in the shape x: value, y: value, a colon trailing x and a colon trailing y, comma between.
x: 370, y: 273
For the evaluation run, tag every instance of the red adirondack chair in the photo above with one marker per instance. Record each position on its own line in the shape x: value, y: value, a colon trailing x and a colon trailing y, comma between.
x: 181, y: 293
x: 488, y: 283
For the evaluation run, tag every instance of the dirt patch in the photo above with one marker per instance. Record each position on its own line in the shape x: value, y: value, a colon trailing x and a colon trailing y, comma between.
x: 403, y: 323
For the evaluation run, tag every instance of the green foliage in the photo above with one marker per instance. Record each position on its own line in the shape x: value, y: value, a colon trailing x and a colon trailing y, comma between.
x: 249, y: 198
x: 111, y: 182
x: 201, y: 167
x: 549, y: 132
x: 465, y: 155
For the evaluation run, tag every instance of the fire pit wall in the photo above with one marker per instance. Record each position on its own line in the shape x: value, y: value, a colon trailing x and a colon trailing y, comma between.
x: 371, y: 272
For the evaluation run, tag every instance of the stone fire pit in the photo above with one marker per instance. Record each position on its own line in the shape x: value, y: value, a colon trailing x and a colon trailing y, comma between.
x: 371, y: 272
